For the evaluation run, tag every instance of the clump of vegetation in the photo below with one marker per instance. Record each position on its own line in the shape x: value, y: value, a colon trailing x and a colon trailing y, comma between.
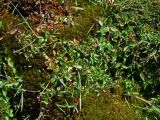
x: 107, y: 106
x: 52, y: 67
x: 84, y: 22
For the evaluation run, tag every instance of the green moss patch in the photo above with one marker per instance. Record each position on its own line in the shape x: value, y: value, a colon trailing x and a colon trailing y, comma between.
x: 107, y: 107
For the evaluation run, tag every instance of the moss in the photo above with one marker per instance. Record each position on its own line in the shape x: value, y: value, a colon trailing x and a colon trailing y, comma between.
x: 83, y: 22
x: 1, y: 113
x: 106, y: 107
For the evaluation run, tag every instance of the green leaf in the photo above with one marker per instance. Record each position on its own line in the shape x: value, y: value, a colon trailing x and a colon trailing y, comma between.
x: 12, y: 85
x: 125, y: 48
x: 104, y: 30
x: 10, y: 62
x: 78, y: 67
x: 1, y: 25
x: 4, y: 93
x: 109, y: 46
x: 142, y: 76
x: 118, y: 65
x: 132, y: 43
x: 14, y: 70
x: 114, y: 29
x: 41, y: 40
x: 1, y: 84
x: 62, y: 1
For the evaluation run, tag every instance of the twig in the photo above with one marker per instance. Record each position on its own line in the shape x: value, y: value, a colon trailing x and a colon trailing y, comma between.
x: 32, y: 91
x: 46, y: 86
x: 127, y: 103
x: 147, y: 102
x: 142, y: 99
x: 80, y: 96
x: 90, y: 28
x: 23, y: 18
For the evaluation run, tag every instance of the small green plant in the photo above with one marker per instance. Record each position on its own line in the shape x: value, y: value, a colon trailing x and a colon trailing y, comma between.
x: 9, y: 82
x: 1, y: 25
